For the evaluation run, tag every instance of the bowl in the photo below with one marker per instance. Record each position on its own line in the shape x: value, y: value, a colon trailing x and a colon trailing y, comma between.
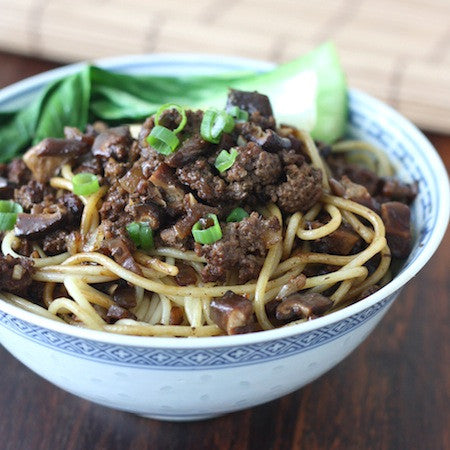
x: 192, y: 379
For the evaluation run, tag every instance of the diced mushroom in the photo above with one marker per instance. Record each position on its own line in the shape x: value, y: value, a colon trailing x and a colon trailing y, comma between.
x: 36, y: 225
x: 339, y: 242
x: 250, y: 102
x: 6, y: 189
x: 186, y: 275
x: 164, y: 178
x: 233, y: 313
x: 46, y: 158
x: 113, y: 142
x: 396, y: 190
x: 305, y: 305
x: 176, y: 316
x: 125, y: 297
x: 119, y: 250
x: 268, y: 139
x: 396, y: 218
x: 189, y: 150
x: 116, y: 313
x: 358, y: 193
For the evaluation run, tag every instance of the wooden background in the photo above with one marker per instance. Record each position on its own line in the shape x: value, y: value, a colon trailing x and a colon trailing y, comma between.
x: 397, y: 50
x: 393, y: 392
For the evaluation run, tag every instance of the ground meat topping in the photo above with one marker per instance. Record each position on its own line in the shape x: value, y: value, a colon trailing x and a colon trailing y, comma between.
x: 242, y: 248
x: 15, y: 274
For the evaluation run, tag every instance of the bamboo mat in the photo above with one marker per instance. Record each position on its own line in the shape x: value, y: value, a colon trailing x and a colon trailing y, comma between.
x: 397, y: 50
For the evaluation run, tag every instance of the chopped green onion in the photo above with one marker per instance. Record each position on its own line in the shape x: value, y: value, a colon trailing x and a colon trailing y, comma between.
x: 141, y: 234
x: 163, y: 140
x: 180, y: 110
x: 8, y: 214
x: 237, y: 215
x: 214, y: 123
x: 239, y: 114
x: 208, y: 235
x: 85, y: 183
x: 225, y: 160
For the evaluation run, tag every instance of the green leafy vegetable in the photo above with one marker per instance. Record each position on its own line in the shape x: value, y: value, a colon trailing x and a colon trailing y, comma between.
x: 225, y: 159
x: 212, y: 233
x: 8, y: 214
x: 163, y: 140
x: 237, y: 215
x: 141, y: 234
x: 309, y: 92
x: 85, y: 184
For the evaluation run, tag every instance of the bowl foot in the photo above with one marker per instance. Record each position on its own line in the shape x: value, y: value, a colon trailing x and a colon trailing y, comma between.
x: 180, y: 418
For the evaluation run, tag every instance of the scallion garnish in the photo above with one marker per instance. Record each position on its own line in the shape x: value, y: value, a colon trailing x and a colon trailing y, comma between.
x: 239, y: 114
x: 180, y: 110
x: 207, y: 235
x: 214, y: 123
x: 141, y: 234
x: 85, y: 184
x: 8, y: 214
x: 163, y: 140
x: 225, y: 160
x: 237, y: 215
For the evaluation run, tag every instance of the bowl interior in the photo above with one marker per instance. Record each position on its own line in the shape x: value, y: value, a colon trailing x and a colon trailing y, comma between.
x: 412, y: 155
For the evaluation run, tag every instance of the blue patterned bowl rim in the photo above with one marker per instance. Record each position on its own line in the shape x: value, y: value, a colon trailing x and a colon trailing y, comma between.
x: 361, y: 105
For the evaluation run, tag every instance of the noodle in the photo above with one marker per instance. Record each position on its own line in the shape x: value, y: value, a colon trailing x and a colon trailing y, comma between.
x: 156, y: 291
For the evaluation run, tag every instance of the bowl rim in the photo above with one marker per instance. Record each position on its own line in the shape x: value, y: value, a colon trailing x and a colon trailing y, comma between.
x: 21, y: 88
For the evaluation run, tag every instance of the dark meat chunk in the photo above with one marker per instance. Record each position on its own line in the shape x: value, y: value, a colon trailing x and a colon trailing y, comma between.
x: 339, y: 242
x: 396, y: 190
x: 18, y: 172
x: 125, y: 296
x: 15, y: 274
x: 6, y: 189
x: 242, y: 248
x: 170, y: 118
x: 120, y: 249
x: 36, y: 225
x: 396, y: 218
x: 114, y: 142
x: 300, y: 192
x: 199, y: 176
x: 305, y: 305
x: 250, y: 102
x: 186, y: 275
x: 268, y: 140
x: 189, y: 151
x: 233, y: 313
x: 116, y: 312
x: 173, y: 192
x: 253, y: 169
x: 170, y: 238
x: 55, y: 242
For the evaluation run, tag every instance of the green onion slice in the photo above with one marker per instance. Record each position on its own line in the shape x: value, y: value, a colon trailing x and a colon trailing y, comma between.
x: 141, y: 234
x: 208, y: 235
x: 180, y: 110
x: 214, y: 123
x: 225, y: 160
x: 239, y: 114
x: 237, y: 215
x: 163, y: 140
x: 8, y: 214
x: 85, y: 183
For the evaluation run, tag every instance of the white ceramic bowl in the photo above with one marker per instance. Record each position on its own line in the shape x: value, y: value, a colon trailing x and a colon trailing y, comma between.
x: 190, y: 379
